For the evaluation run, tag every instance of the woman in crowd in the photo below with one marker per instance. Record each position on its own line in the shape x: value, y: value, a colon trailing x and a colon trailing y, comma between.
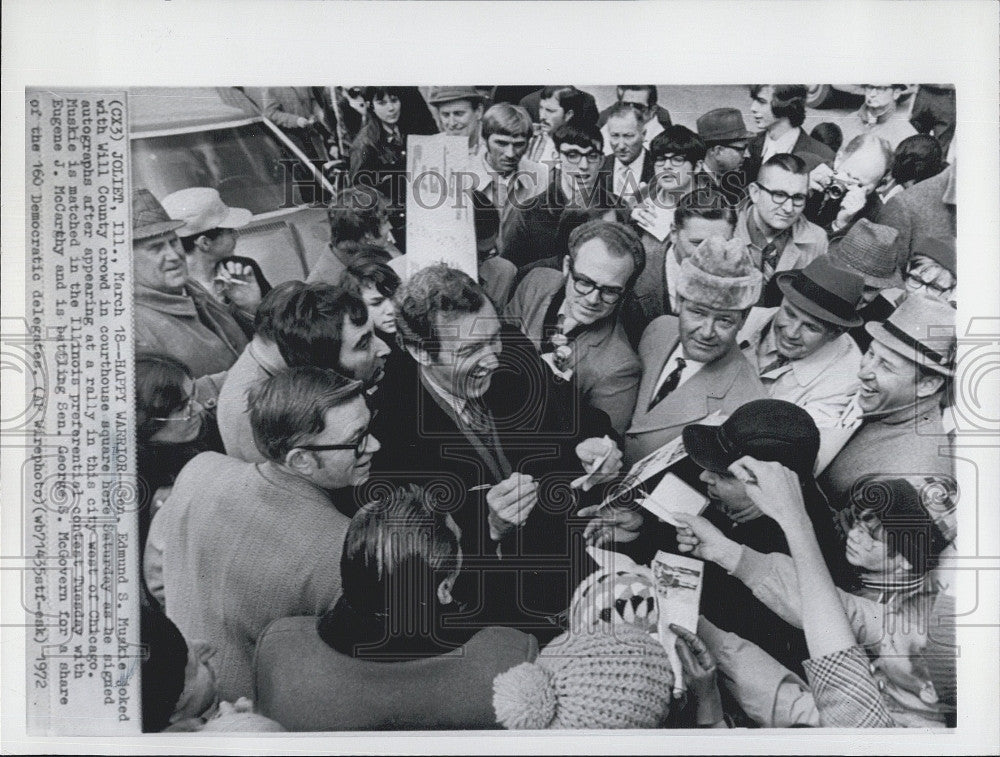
x: 370, y: 278
x: 171, y: 428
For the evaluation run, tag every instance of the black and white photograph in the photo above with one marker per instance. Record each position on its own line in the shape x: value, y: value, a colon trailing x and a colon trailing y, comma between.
x: 336, y: 391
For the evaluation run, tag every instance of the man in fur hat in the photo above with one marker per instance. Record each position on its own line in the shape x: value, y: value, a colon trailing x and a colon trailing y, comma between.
x: 691, y: 364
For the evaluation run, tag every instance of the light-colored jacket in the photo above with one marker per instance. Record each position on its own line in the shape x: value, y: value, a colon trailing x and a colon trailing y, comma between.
x: 722, y: 385
x: 822, y: 383
x: 236, y: 546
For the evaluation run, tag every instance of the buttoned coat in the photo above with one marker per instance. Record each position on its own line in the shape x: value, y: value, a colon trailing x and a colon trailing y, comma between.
x: 606, y: 368
x: 722, y: 385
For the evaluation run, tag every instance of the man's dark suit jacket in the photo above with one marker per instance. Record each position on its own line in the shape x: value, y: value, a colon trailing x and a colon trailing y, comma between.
x: 805, y: 143
x: 538, y: 424
x: 608, y: 171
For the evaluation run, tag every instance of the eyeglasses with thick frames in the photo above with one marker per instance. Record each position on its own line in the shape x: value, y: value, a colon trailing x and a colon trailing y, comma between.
x: 780, y: 198
x: 584, y: 286
x: 574, y: 156
x: 675, y: 160
x: 359, y: 447
x: 915, y: 283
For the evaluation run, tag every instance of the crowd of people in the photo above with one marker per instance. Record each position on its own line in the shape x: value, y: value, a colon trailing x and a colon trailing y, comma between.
x: 370, y: 496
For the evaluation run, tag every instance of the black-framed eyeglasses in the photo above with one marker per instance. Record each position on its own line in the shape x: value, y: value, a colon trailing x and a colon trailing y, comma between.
x: 780, y: 198
x: 675, y: 160
x: 584, y: 286
x: 359, y: 447
x: 187, y: 409
x: 574, y: 156
x: 915, y: 283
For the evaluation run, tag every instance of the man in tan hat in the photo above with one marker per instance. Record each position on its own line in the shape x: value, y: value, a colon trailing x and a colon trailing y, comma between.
x: 904, y: 375
x: 173, y: 315
x: 801, y: 349
x: 867, y: 250
x: 691, y: 365
x: 208, y: 237
x: 459, y: 111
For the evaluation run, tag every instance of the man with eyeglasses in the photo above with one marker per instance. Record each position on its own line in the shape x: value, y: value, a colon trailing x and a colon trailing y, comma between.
x: 726, y: 138
x: 572, y: 316
x: 237, y: 545
x: 529, y: 231
x: 477, y: 416
x: 773, y: 226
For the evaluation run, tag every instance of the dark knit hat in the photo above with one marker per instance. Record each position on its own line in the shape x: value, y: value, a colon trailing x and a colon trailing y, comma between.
x: 767, y: 430
x: 149, y: 219
x: 720, y: 274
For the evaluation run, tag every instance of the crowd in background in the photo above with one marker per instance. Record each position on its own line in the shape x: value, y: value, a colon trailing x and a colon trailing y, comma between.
x: 368, y: 493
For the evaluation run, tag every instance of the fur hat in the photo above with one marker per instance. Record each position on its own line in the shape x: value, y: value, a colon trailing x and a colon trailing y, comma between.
x: 618, y: 678
x: 720, y: 274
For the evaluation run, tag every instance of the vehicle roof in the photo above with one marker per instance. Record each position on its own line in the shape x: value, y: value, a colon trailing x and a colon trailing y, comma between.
x: 164, y: 108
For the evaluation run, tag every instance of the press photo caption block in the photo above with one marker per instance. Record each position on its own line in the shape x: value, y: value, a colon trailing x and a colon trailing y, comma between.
x: 80, y: 587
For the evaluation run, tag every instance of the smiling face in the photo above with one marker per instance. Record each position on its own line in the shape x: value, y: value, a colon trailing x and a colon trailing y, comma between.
x: 159, y: 263
x: 460, y: 117
x: 797, y: 334
x: 708, y: 334
x: 469, y: 354
x: 625, y: 137
x: 594, y: 265
x: 362, y: 353
x: 889, y: 380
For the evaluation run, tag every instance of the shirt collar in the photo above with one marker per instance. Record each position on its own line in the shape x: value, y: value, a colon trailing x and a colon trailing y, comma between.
x: 457, y: 404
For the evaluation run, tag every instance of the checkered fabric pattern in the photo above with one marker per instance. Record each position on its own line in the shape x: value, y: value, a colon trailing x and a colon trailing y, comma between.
x: 845, y: 691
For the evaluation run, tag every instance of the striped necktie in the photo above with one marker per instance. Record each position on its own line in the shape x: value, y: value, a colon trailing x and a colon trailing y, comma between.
x: 768, y: 260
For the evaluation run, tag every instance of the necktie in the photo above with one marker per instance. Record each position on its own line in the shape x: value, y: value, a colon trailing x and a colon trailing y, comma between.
x: 621, y: 181
x: 768, y: 260
x: 774, y: 365
x: 670, y: 384
x: 476, y: 417
x: 394, y: 136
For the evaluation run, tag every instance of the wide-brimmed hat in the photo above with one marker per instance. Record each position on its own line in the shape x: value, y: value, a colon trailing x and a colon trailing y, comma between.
x: 722, y: 125
x: 202, y: 209
x: 720, y: 274
x: 868, y: 249
x: 440, y: 95
x: 825, y: 291
x: 149, y: 219
x: 921, y: 329
x: 768, y: 430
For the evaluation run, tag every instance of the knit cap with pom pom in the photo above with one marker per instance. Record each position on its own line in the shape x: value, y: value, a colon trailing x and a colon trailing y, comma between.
x: 613, y: 677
